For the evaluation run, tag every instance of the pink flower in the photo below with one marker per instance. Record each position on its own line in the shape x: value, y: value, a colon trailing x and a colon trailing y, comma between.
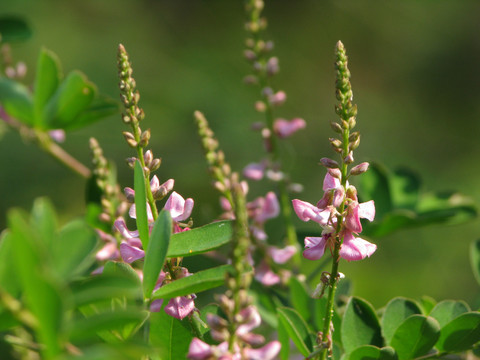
x: 284, y: 128
x: 180, y: 209
x: 306, y: 211
x: 254, y: 171
x: 265, y: 275
x: 281, y: 256
x: 266, y: 352
x: 180, y: 306
x: 354, y: 248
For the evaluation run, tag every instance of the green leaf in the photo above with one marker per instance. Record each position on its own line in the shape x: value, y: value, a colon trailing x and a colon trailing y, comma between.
x: 141, y: 204
x: 447, y: 310
x: 200, y: 240
x: 44, y: 220
x: 299, y: 298
x: 171, y: 336
x: 461, y: 333
x: 104, y: 287
x: 9, y: 280
x: 16, y: 100
x: 360, y: 325
x: 47, y: 79
x: 73, y: 252
x: 85, y: 328
x: 13, y: 29
x: 374, y: 184
x: 415, y: 337
x: 195, y: 283
x: 284, y: 339
x: 73, y: 96
x: 427, y: 303
x: 296, y: 328
x: 101, y: 107
x: 475, y: 259
x: 394, y: 220
x: 396, y: 311
x: 405, y: 188
x: 156, y: 252
x: 121, y: 269
x: 370, y: 352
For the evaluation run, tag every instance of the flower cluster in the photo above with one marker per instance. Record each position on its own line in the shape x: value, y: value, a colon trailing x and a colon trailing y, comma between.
x: 326, y: 214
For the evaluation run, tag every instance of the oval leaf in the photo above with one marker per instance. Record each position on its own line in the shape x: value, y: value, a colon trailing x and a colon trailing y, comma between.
x: 475, y: 259
x: 360, y: 325
x: 13, y: 29
x: 156, y: 251
x: 73, y: 96
x: 170, y: 335
x: 195, y: 283
x: 200, y: 240
x: 296, y: 328
x: 370, y: 352
x: 396, y: 312
x: 16, y: 100
x: 461, y: 333
x: 415, y: 337
x: 447, y: 310
x: 141, y: 204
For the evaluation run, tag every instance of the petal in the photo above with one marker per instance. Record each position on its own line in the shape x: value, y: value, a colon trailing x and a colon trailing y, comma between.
x: 199, y: 350
x: 180, y: 307
x: 133, y: 212
x: 267, y: 352
x: 154, y: 183
x: 314, y: 248
x: 109, y: 251
x: 356, y: 248
x: 367, y: 210
x: 121, y: 226
x: 281, y: 256
x: 270, y: 208
x: 306, y: 211
x: 179, y: 208
x: 254, y: 171
x: 265, y: 275
x: 252, y: 320
x: 156, y: 305
x: 330, y: 183
x: 284, y: 128
x: 352, y: 220
x: 130, y: 254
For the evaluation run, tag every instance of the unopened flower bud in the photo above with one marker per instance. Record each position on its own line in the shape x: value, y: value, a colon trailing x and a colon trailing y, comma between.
x: 272, y: 66
x: 335, y: 143
x: 359, y: 169
x: 131, y: 161
x: 250, y: 80
x: 144, y: 138
x: 155, y: 164
x: 269, y: 45
x: 258, y: 66
x: 250, y: 55
x: 128, y: 136
x: 260, y: 106
x: 129, y: 194
x: 148, y: 157
x: 278, y: 98
x: 105, y: 217
x: 250, y: 43
x: 354, y: 144
x: 329, y: 163
x: 354, y: 136
x: 295, y: 188
x: 336, y: 127
x: 336, y: 173
x: 352, y: 122
x: 349, y: 158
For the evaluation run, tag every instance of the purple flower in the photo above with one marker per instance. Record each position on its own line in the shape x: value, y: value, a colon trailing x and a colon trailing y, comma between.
x: 284, y: 128
x: 180, y: 209
x: 254, y: 171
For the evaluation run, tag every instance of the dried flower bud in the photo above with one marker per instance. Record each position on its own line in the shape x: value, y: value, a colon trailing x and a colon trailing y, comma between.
x: 352, y: 122
x: 144, y: 138
x: 128, y: 136
x: 354, y: 144
x: 359, y: 169
x: 354, y: 136
x: 329, y: 163
x: 131, y: 161
x: 335, y: 143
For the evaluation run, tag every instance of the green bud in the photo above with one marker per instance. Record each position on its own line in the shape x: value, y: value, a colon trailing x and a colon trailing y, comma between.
x: 336, y: 127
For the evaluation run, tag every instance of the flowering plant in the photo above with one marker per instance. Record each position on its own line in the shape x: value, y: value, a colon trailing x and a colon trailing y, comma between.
x: 118, y: 283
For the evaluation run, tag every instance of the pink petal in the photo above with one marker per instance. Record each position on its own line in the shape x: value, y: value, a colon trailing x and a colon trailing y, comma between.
x: 121, y: 226
x: 154, y: 183
x: 180, y: 307
x: 281, y: 256
x: 133, y: 212
x: 156, y: 305
x: 356, y: 248
x: 284, y: 128
x: 179, y: 208
x: 270, y: 208
x: 352, y: 220
x: 252, y: 320
x: 314, y: 247
x: 130, y: 254
x: 199, y: 350
x: 367, y: 210
x: 254, y: 171
x: 306, y: 211
x: 253, y: 339
x: 267, y: 352
x: 330, y: 183
x: 265, y: 275
x: 109, y: 251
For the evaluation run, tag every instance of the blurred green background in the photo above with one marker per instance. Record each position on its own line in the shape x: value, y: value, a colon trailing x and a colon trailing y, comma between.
x: 416, y: 81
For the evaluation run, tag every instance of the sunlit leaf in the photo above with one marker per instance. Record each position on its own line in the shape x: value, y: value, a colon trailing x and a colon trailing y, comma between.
x: 156, y: 251
x: 299, y: 298
x: 200, y: 240
x: 195, y: 283
x: 141, y: 204
x: 405, y: 188
x: 100, y: 107
x: 370, y: 352
x: 44, y: 220
x: 447, y: 310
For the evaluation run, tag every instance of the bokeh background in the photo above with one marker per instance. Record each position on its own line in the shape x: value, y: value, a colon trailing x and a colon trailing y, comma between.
x: 416, y: 81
